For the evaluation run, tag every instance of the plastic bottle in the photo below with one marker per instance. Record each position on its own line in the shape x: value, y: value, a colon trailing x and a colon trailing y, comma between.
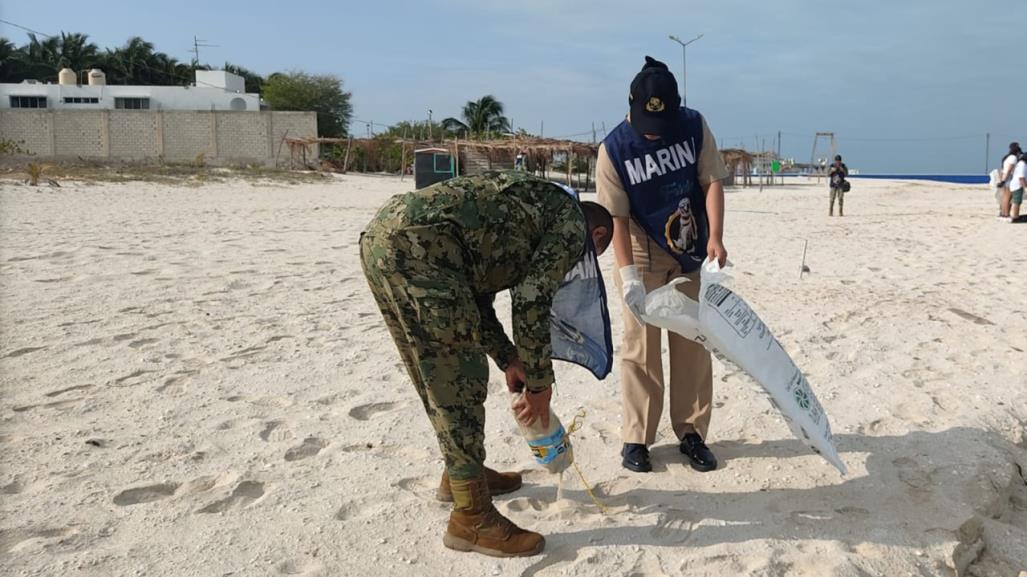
x: 551, y: 446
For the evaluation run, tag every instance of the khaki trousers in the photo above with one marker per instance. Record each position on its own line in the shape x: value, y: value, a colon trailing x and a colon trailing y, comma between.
x: 641, y: 366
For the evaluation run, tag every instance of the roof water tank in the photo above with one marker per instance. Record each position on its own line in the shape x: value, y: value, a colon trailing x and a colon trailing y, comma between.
x: 97, y: 77
x: 67, y: 77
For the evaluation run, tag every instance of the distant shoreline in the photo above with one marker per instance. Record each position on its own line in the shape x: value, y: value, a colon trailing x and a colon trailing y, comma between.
x: 952, y: 178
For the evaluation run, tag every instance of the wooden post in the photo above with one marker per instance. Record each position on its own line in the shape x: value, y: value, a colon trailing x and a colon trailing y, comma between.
x: 587, y: 171
x: 345, y: 161
x: 279, y: 155
x: 802, y: 266
x: 402, y: 160
x: 569, y: 164
x: 456, y: 157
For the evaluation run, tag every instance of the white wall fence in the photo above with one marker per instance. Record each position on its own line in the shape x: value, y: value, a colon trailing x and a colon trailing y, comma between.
x: 222, y: 137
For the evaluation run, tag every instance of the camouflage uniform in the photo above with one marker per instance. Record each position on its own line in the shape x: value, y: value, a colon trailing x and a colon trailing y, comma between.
x: 435, y: 259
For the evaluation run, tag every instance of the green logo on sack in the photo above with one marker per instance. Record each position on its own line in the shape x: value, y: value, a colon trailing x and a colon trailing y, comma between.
x: 802, y: 397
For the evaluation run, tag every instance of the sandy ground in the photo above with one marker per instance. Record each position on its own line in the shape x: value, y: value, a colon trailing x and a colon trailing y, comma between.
x: 195, y: 382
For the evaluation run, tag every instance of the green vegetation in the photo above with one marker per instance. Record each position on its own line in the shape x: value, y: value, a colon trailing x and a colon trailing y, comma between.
x: 321, y: 93
x: 481, y: 118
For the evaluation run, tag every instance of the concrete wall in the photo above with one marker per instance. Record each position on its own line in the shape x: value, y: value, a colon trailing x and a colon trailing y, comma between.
x: 222, y: 137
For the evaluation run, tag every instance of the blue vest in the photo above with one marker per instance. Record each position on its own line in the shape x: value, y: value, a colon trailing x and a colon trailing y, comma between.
x: 579, y: 320
x: 661, y: 178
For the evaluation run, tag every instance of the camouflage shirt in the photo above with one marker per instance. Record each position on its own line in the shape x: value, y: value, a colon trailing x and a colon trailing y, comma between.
x: 517, y: 232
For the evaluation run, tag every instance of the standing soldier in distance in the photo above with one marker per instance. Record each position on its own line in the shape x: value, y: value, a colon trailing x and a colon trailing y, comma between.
x: 836, y: 176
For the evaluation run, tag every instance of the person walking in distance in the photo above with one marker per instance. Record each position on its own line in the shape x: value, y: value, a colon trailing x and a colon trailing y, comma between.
x: 839, y: 186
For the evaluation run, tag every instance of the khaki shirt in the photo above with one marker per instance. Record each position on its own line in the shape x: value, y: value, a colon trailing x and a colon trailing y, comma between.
x: 611, y: 192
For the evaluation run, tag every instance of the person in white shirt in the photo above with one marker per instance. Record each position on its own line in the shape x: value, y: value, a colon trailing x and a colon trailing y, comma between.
x: 1017, y: 185
x: 1008, y: 165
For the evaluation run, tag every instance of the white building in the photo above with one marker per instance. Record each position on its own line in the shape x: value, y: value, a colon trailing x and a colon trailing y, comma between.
x: 213, y: 90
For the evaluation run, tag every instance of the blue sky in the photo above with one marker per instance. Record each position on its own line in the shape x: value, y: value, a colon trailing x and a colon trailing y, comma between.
x: 906, y: 85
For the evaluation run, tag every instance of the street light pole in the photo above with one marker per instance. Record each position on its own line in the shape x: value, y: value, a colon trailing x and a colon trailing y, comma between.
x: 684, y: 65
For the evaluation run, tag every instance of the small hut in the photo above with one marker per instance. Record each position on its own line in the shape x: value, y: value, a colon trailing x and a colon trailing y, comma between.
x: 432, y: 165
x: 739, y: 163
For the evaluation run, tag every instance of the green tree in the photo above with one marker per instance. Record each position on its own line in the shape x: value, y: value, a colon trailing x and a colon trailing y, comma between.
x: 77, y: 52
x: 12, y: 64
x: 132, y: 63
x: 418, y: 130
x: 480, y: 117
x: 312, y: 92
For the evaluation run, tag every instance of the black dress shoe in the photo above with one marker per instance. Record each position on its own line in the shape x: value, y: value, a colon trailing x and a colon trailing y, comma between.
x: 700, y: 456
x: 636, y: 458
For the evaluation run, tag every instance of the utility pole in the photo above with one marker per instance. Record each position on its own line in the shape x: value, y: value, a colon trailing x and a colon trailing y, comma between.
x: 429, y: 124
x: 684, y: 65
x: 987, y: 150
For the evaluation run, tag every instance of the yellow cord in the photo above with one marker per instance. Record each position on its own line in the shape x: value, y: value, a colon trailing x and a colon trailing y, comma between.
x: 575, y: 425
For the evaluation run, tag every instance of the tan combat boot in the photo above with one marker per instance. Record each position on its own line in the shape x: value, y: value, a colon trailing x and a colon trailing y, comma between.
x: 476, y: 525
x: 499, y: 484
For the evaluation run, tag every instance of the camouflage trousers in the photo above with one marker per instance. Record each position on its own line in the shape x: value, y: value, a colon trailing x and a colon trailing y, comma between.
x: 840, y: 195
x: 415, y: 274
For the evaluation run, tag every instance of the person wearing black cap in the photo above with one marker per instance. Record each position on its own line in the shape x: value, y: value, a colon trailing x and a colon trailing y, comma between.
x: 839, y: 186
x: 658, y: 173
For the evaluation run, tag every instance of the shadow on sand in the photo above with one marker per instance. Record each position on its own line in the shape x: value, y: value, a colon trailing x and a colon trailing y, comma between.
x: 919, y: 489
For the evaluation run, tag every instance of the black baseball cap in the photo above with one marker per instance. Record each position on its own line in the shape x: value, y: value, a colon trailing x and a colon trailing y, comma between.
x: 654, y: 99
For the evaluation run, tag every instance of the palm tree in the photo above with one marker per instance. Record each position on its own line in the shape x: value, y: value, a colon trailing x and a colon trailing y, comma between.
x: 42, y: 57
x: 132, y: 63
x: 11, y: 63
x: 481, y: 116
x: 77, y: 53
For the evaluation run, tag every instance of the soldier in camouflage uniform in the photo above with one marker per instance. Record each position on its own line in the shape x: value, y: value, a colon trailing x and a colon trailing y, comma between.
x: 434, y: 260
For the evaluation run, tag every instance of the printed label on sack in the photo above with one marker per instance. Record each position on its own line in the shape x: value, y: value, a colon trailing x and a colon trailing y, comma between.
x: 546, y: 450
x: 738, y: 315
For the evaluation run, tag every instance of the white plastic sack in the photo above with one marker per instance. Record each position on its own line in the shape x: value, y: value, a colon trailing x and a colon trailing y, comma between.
x: 995, y: 181
x: 723, y: 323
x: 994, y: 178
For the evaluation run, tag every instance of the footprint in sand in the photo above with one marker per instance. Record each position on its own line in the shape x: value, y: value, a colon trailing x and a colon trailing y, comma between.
x: 274, y: 432
x: 354, y: 510
x: 244, y: 494
x: 67, y: 390
x: 522, y: 504
x: 308, y: 448
x: 176, y: 383
x: 418, y: 485
x: 146, y: 494
x: 130, y: 380
x: 17, y: 539
x: 50, y: 405
x: 22, y: 351
x: 307, y: 568
x: 365, y: 412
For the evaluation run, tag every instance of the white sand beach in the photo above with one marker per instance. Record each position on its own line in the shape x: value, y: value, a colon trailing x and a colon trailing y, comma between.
x: 196, y: 382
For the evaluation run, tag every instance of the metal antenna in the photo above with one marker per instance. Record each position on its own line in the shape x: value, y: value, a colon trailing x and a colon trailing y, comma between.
x: 197, y: 44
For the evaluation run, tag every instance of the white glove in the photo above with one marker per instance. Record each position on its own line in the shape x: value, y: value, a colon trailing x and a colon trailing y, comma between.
x: 634, y: 291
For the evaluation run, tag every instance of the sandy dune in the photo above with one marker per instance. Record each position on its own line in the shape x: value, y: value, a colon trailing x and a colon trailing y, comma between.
x: 195, y: 382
